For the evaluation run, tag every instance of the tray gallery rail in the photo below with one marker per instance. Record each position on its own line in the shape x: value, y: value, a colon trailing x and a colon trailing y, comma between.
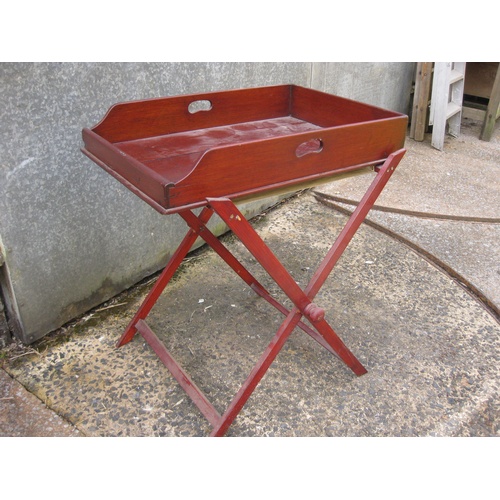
x: 216, y: 150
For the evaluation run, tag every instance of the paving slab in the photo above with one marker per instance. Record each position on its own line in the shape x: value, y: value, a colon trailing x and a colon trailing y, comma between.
x: 431, y: 349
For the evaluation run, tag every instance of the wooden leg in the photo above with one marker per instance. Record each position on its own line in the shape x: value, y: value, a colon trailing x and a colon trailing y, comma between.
x: 302, y: 299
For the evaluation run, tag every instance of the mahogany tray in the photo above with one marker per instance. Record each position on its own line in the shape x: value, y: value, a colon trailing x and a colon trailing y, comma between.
x: 175, y: 152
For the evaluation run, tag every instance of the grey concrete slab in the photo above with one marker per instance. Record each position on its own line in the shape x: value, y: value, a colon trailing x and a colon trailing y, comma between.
x: 432, y: 351
x: 384, y: 84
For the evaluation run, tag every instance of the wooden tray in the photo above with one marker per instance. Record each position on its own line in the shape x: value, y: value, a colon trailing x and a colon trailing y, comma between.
x: 175, y: 152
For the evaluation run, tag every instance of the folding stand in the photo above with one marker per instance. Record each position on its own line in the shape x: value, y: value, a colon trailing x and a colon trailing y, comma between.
x: 302, y: 299
x: 245, y: 143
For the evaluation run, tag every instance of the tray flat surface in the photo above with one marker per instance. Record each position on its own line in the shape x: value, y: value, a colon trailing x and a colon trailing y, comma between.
x: 173, y: 156
x: 240, y: 144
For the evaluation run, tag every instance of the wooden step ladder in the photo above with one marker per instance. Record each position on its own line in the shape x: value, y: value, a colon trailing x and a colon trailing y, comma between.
x: 421, y: 101
x: 446, y: 101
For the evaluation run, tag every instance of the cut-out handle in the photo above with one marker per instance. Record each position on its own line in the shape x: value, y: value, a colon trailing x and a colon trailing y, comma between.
x: 309, y: 147
x: 200, y: 105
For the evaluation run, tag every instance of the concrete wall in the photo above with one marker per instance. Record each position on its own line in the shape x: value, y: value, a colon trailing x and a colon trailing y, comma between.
x: 71, y: 236
x: 387, y: 85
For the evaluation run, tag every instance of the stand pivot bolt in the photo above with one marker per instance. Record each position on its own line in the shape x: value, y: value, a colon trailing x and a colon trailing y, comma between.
x: 314, y: 312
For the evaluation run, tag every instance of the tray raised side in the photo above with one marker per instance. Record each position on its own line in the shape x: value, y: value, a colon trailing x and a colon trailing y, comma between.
x: 240, y: 144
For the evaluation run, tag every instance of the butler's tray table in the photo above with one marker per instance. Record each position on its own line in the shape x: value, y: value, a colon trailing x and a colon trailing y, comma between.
x: 215, y: 150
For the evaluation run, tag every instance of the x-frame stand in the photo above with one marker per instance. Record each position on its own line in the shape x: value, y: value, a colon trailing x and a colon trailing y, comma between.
x: 302, y: 300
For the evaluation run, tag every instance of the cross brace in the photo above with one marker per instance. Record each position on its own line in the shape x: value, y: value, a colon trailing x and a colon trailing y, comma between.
x: 303, y: 305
